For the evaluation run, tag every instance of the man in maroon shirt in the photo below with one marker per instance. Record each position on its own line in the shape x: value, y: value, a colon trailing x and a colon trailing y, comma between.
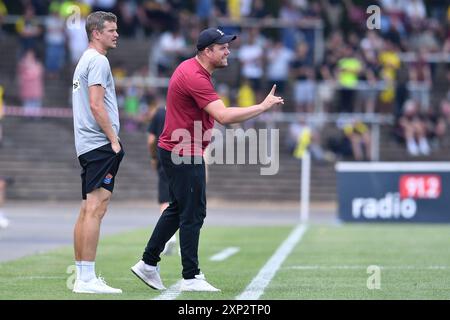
x: 192, y: 106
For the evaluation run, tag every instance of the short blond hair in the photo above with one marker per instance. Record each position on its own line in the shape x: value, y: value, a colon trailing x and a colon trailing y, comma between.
x: 96, y: 21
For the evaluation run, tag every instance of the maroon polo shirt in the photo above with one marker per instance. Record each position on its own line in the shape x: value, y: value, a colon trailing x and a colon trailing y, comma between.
x: 190, y: 91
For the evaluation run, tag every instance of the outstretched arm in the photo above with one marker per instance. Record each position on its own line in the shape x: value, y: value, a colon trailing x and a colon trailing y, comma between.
x: 226, y: 115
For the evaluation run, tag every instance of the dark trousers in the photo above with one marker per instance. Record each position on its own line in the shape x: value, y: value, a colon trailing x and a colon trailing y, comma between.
x: 186, y: 211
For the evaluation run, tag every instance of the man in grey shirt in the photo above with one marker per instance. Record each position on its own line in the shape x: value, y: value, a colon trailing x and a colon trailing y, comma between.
x: 96, y: 128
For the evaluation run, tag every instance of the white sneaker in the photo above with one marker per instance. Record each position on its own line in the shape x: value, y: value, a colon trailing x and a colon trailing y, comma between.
x: 170, y: 247
x: 96, y: 285
x: 150, y: 277
x: 4, y: 222
x: 199, y: 283
x: 412, y: 147
x: 424, y: 147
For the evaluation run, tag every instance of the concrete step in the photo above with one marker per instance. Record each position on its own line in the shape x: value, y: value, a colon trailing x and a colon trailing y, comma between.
x: 40, y: 155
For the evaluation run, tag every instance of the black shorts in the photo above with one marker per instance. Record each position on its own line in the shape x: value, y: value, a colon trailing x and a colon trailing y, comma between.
x: 163, y: 186
x: 99, y: 169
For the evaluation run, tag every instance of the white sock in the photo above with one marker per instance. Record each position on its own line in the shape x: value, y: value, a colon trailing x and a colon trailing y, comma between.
x: 148, y: 267
x: 87, y: 270
x: 78, y: 266
x: 424, y: 147
x: 413, y: 149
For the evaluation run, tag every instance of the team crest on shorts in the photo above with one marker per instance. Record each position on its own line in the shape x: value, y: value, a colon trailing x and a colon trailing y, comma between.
x: 108, y: 178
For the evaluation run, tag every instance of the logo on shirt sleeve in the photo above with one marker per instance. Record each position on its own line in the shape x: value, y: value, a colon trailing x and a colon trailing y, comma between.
x: 76, y: 85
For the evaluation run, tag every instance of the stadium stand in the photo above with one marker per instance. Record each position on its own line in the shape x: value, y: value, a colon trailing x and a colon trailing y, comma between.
x: 28, y: 151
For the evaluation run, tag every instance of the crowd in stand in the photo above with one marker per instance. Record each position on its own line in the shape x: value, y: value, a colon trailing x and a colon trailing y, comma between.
x: 394, y: 69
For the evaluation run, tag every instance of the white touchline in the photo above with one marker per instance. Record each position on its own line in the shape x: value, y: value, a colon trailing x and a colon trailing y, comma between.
x: 256, y: 288
x: 224, y: 254
x: 358, y: 267
x: 170, y: 294
x: 38, y: 278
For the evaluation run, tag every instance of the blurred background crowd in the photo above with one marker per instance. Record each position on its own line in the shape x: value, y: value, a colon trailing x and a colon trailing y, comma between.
x: 322, y: 55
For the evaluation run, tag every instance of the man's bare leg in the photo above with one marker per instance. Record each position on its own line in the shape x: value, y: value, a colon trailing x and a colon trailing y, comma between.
x: 86, y: 235
x: 87, y: 231
x: 88, y: 224
x: 78, y: 231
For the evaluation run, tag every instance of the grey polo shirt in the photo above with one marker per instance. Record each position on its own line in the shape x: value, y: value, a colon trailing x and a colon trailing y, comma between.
x: 92, y: 69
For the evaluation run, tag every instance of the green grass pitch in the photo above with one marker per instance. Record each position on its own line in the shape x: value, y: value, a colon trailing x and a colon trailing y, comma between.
x: 329, y: 262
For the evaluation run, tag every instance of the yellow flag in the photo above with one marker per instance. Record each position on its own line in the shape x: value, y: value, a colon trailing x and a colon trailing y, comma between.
x: 304, y: 139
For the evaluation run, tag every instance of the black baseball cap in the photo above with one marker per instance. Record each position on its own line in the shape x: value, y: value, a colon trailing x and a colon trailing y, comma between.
x: 213, y: 35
